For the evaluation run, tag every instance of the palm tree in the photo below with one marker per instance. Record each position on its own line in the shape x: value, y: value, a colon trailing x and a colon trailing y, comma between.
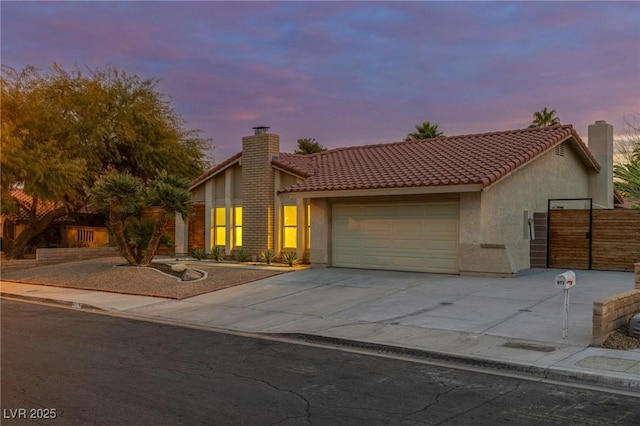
x: 172, y: 195
x: 425, y: 130
x: 627, y: 169
x: 545, y: 118
x: 120, y: 194
x: 309, y: 146
x: 628, y: 179
x: 123, y: 195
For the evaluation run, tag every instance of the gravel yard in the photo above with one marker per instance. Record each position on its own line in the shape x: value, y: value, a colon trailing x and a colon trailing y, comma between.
x: 109, y: 275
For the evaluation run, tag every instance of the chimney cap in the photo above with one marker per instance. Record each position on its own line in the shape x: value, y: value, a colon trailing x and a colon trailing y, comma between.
x: 601, y: 122
x: 261, y: 130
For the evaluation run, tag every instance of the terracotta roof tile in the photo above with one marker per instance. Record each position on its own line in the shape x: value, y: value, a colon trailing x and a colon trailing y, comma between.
x: 299, y: 164
x: 41, y: 210
x: 468, y: 159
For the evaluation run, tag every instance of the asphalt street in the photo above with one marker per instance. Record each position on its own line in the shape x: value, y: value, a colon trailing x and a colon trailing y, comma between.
x: 61, y: 366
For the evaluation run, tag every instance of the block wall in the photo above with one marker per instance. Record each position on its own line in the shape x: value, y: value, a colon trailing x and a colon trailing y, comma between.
x: 612, y: 312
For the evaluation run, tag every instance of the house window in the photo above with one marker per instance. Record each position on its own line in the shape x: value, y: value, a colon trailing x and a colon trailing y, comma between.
x: 237, y: 224
x: 220, y: 228
x: 84, y: 236
x: 290, y: 228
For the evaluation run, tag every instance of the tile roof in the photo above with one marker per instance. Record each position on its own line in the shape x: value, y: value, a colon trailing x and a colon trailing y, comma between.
x: 215, y: 170
x: 456, y: 160
x: 41, y: 210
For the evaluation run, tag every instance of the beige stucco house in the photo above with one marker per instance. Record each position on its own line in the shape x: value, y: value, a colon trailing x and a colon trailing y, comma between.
x: 458, y: 205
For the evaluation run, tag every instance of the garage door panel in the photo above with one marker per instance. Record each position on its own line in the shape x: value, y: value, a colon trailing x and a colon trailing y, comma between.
x: 401, y: 236
x: 375, y: 225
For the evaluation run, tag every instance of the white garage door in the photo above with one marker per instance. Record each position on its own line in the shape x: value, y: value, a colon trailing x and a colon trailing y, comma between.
x: 401, y: 236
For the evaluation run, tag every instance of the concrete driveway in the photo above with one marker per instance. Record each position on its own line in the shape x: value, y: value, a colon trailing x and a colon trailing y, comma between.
x: 337, y: 300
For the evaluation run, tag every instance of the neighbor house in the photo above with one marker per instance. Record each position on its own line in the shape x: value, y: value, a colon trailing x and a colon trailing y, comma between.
x: 458, y: 205
x: 82, y: 229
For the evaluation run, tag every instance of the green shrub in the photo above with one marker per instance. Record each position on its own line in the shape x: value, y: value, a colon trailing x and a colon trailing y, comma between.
x: 217, y: 253
x: 199, y: 253
x: 289, y: 257
x: 268, y: 256
x: 243, y: 255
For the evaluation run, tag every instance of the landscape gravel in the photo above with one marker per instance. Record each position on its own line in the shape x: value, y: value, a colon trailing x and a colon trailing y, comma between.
x: 111, y: 275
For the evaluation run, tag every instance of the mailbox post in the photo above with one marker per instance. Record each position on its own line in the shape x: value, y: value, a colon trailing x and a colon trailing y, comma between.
x: 565, y: 281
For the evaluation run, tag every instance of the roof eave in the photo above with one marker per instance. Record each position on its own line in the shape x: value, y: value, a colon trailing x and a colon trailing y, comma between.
x: 215, y: 171
x: 411, y: 190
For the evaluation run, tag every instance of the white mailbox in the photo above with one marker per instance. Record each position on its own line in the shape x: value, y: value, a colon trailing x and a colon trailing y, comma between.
x: 566, y: 280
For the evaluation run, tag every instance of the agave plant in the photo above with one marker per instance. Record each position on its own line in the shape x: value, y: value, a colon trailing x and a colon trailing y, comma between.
x: 268, y: 256
x: 243, y: 255
x: 199, y: 253
x: 289, y: 257
x: 217, y: 253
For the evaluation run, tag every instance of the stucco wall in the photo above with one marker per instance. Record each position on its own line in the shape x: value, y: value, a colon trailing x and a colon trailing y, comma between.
x: 493, y: 237
x: 320, y: 249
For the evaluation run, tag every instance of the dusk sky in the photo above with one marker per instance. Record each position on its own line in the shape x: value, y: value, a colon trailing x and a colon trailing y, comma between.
x: 349, y: 73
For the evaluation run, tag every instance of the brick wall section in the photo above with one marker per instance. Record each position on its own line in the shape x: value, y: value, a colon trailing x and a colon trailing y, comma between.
x: 52, y: 256
x: 197, y: 228
x: 152, y: 213
x: 612, y: 312
x: 258, y: 191
x: 73, y: 254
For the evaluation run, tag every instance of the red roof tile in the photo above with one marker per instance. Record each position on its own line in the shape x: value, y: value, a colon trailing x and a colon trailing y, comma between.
x: 468, y: 159
x: 42, y: 208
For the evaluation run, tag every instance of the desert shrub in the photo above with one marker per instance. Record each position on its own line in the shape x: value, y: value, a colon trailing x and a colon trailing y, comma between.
x: 199, y: 253
x: 217, y: 253
x: 268, y: 256
x: 243, y: 255
x: 289, y: 257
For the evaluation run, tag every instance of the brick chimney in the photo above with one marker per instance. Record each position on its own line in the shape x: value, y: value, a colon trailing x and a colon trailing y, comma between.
x: 258, y: 189
x: 601, y: 146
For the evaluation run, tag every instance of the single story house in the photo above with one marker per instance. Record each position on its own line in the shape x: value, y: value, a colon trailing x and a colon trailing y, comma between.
x: 457, y: 205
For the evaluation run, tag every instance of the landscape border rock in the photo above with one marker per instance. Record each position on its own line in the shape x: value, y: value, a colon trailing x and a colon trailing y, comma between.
x: 192, y: 275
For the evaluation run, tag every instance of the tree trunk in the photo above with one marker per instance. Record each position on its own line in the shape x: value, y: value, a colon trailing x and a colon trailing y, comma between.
x: 154, y: 241
x: 117, y: 227
x: 33, y: 229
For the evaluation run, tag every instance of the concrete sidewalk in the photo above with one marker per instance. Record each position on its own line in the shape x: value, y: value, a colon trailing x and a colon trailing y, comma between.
x: 507, y: 323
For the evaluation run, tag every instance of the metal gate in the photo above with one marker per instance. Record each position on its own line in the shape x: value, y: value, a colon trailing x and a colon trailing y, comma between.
x: 569, y: 233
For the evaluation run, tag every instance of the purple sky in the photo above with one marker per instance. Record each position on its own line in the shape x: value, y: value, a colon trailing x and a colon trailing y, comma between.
x: 350, y: 73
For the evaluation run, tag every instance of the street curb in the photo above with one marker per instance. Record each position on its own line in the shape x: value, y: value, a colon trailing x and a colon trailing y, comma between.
x: 547, y: 373
x: 76, y: 305
x: 558, y: 374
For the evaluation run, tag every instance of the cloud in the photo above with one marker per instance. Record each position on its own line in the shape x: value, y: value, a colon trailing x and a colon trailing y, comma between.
x: 349, y: 73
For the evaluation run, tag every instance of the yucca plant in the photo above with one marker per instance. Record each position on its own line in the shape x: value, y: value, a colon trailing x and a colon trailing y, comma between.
x: 199, y: 253
x: 289, y: 257
x: 268, y: 256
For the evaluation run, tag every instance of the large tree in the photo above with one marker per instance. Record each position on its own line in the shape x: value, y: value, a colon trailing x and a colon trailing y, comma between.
x: 62, y: 130
x: 426, y: 130
x: 309, y: 146
x: 545, y: 118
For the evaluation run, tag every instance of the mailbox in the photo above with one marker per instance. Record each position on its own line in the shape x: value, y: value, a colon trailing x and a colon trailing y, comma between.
x: 566, y: 280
